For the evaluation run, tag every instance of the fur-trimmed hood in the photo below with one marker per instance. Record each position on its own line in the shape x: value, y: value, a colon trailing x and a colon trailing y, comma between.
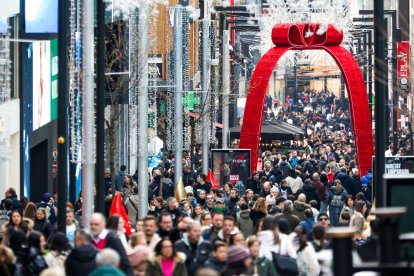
x: 156, y: 260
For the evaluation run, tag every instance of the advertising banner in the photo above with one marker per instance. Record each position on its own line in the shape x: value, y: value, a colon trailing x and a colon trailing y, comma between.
x: 403, y: 65
x: 231, y: 165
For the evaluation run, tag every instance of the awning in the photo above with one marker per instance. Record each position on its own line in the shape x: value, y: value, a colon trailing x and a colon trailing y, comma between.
x: 273, y: 131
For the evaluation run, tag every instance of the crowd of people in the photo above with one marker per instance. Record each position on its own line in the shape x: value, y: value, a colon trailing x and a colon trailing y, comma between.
x: 274, y: 223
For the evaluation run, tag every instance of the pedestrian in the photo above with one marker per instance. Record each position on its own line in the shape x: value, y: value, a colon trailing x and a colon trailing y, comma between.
x: 336, y: 198
x: 41, y: 223
x: 59, y: 250
x: 196, y: 249
x: 238, y: 261
x: 218, y: 258
x: 81, y: 260
x: 104, y: 238
x: 166, y: 261
x: 260, y: 264
x: 107, y: 262
x: 31, y: 259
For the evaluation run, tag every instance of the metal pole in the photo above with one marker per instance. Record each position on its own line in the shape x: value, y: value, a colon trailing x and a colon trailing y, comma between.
x: 206, y: 96
x: 100, y: 107
x: 178, y: 108
x: 225, y: 88
x: 63, y: 113
x: 370, y: 72
x: 394, y: 84
x: 143, y: 111
x: 380, y: 67
x: 88, y: 170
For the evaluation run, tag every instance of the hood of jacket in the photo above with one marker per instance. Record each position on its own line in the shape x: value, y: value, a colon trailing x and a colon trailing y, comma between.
x: 245, y: 214
x: 333, y: 190
x: 300, y: 206
x: 308, y: 188
x: 84, y: 253
x: 341, y: 176
x: 156, y: 259
x: 167, y: 181
x: 283, y: 164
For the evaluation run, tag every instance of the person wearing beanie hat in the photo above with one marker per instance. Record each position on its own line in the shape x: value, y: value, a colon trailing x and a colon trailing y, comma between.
x: 51, y: 215
x: 138, y: 259
x: 238, y: 260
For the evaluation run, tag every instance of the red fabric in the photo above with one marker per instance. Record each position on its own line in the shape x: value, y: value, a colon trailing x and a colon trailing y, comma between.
x: 99, y: 245
x: 210, y: 178
x: 293, y: 37
x: 117, y: 207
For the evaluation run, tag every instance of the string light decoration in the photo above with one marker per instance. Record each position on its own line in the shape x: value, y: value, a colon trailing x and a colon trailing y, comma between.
x: 5, y: 67
x: 134, y: 80
x: 214, y: 98
x: 170, y: 92
x: 186, y: 76
x: 74, y: 68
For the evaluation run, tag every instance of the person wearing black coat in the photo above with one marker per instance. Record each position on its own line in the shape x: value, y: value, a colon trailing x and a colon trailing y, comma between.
x: 31, y: 259
x: 42, y: 224
x: 253, y: 183
x: 81, y: 260
x: 347, y: 181
x: 196, y: 249
x: 310, y: 192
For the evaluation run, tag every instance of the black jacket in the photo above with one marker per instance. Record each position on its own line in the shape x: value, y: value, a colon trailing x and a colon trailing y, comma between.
x: 43, y: 226
x: 174, y: 234
x: 113, y: 242
x: 347, y: 183
x: 32, y: 262
x: 196, y: 259
x: 310, y: 193
x: 52, y: 216
x: 214, y: 264
x: 81, y: 260
x: 254, y: 185
x: 256, y: 216
x: 167, y: 188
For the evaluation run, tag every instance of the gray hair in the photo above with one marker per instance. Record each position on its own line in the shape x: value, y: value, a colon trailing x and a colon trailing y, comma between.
x: 288, y: 205
x: 192, y: 223
x: 107, y: 257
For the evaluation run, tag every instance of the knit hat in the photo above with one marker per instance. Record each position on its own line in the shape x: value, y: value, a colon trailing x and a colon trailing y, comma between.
x: 46, y: 197
x: 138, y: 254
x: 236, y: 254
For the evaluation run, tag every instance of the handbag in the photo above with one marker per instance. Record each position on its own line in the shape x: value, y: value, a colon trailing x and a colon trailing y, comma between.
x: 285, y: 265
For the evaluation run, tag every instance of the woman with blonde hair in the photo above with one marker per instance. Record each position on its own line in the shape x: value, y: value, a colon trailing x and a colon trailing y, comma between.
x: 7, y: 261
x: 272, y: 241
x: 259, y: 210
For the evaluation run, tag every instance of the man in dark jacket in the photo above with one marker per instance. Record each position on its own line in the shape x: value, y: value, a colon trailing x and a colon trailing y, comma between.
x: 212, y: 233
x: 174, y: 209
x: 188, y: 174
x: 346, y: 181
x: 288, y: 215
x: 81, y: 260
x: 107, y: 180
x: 196, y: 249
x: 11, y: 193
x: 253, y: 183
x: 202, y: 184
x: 319, y: 187
x: 232, y: 201
x: 120, y: 178
x: 277, y: 208
x: 284, y: 166
x: 103, y: 238
x: 166, y: 228
x: 310, y: 192
x: 166, y: 189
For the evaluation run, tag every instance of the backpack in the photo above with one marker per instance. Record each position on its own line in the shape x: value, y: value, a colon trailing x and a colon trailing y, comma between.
x: 337, y: 201
x: 3, y: 220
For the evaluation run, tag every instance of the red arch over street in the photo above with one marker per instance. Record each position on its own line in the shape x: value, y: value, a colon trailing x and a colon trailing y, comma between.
x: 283, y: 35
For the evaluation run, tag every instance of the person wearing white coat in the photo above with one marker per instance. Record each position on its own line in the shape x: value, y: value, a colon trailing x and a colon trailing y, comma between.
x: 306, y: 257
x: 273, y: 241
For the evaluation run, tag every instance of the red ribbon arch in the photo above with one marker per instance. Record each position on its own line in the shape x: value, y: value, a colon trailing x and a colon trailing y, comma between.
x: 305, y: 36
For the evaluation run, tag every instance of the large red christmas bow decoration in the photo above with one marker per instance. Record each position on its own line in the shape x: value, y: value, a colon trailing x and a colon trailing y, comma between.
x: 306, y: 35
x: 117, y: 207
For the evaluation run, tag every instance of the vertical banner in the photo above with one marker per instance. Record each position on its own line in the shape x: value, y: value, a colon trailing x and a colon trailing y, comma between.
x: 403, y: 65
